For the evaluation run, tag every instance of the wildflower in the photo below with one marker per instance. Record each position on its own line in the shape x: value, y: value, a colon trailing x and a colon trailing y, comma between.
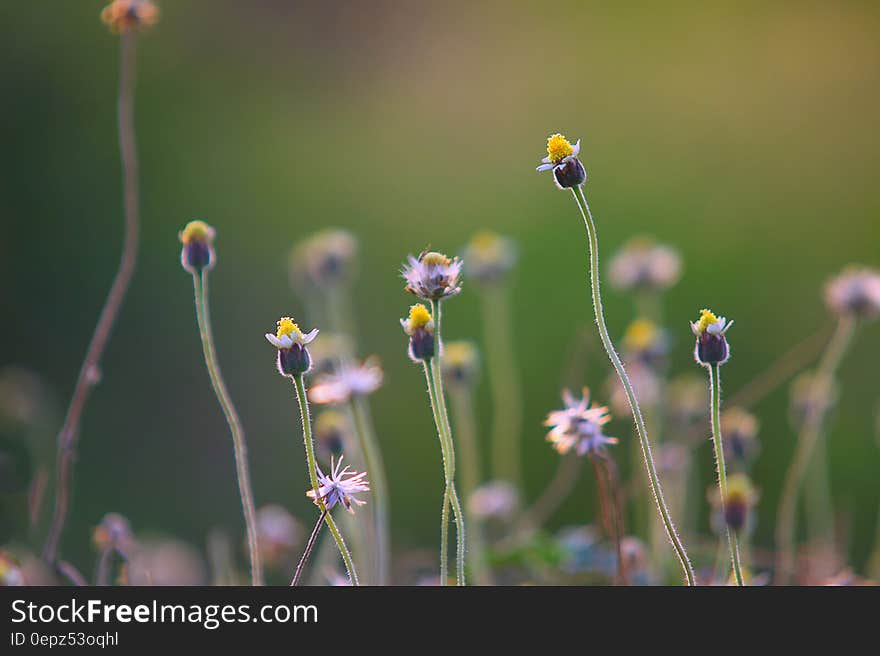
x: 461, y: 363
x: 420, y: 328
x: 740, y: 429
x: 293, y: 356
x: 198, y: 246
x: 855, y: 292
x: 686, y: 401
x: 579, y: 426
x: 562, y: 159
x: 432, y: 276
x: 328, y: 354
x: 22, y: 397
x: 278, y: 534
x: 489, y: 257
x: 124, y: 15
x: 711, y: 347
x: 331, y: 431
x: 114, y: 532
x: 323, y: 261
x: 340, y: 486
x: 739, y: 501
x: 646, y: 342
x: 644, y: 265
x: 350, y: 380
x: 494, y: 500
x: 10, y: 572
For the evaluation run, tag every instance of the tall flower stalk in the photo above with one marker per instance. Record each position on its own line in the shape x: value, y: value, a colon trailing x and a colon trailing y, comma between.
x: 197, y: 257
x: 89, y: 373
x: 569, y: 173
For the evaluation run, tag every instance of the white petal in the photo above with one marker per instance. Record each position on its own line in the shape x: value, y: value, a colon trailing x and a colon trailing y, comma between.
x: 544, y: 167
x: 310, y: 336
x: 274, y: 341
x: 546, y: 160
x: 576, y: 148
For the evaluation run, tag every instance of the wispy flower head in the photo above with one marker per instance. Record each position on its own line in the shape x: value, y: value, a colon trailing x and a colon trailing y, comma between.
x: 323, y: 261
x: 579, y: 425
x: 432, y: 276
x: 855, y: 292
x: 461, y: 363
x: 740, y: 430
x: 419, y: 325
x: 348, y: 381
x: 124, y: 15
x: 710, y: 330
x: 562, y: 159
x: 642, y: 264
x: 340, y: 486
x: 293, y: 356
x: 489, y: 257
x: 198, y: 246
x: 494, y: 500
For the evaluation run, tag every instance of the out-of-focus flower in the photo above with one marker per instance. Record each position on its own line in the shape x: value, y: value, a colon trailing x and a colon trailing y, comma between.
x: 461, y: 364
x: 644, y: 265
x: 646, y: 385
x: 165, y: 562
x: 293, y: 356
x: 332, y: 429
x: 124, y: 15
x: 736, y: 511
x: 686, y: 402
x: 740, y: 430
x: 278, y: 534
x: 710, y: 331
x: 494, y: 500
x: 323, y: 261
x: 432, y: 276
x: 489, y: 258
x: 10, y: 573
x: 198, y: 246
x: 579, y: 426
x: 350, y: 380
x: 114, y: 533
x: 562, y: 159
x: 339, y: 486
x: 811, y: 396
x: 329, y: 353
x: 646, y: 342
x: 855, y: 292
x: 420, y: 328
x: 673, y: 458
x: 336, y: 579
x: 21, y: 396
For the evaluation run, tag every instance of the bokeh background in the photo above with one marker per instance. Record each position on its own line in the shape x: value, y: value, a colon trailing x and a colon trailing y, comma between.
x: 744, y: 133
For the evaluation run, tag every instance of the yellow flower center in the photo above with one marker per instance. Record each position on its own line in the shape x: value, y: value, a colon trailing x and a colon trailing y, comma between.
x: 435, y: 259
x: 484, y: 241
x: 198, y: 231
x: 287, y: 328
x: 419, y: 317
x: 640, y: 334
x: 558, y: 148
x: 707, y: 318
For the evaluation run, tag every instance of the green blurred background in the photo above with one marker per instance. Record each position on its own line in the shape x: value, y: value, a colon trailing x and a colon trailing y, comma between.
x: 743, y: 133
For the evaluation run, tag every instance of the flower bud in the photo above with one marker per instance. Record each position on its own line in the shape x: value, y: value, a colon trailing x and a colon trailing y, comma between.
x: 711, y: 347
x: 198, y: 247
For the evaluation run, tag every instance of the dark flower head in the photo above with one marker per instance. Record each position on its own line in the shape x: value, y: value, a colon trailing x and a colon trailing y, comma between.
x: 711, y: 347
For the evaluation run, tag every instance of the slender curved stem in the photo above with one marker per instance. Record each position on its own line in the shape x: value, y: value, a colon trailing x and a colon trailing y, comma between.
x: 627, y: 386
x: 245, y: 491
x: 466, y: 434
x: 89, y: 373
x: 505, y: 387
x: 717, y: 440
x: 378, y: 486
x: 444, y: 510
x: 308, y: 550
x: 313, y: 477
x: 811, y: 432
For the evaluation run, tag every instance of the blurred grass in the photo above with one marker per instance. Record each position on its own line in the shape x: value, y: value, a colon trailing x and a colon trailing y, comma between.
x: 743, y: 133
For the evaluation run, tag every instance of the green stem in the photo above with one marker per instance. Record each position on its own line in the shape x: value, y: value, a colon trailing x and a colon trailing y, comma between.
x: 627, y: 386
x: 200, y: 286
x: 378, y: 486
x: 811, y: 432
x: 732, y: 539
x: 466, y: 434
x: 297, y: 575
x: 313, y: 477
x: 505, y: 387
x: 444, y: 510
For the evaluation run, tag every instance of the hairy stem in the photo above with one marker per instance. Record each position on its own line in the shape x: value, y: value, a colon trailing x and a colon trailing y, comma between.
x: 312, y: 463
x: 717, y: 440
x: 89, y: 373
x: 308, y: 550
x: 627, y: 386
x: 810, y: 433
x: 444, y: 509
